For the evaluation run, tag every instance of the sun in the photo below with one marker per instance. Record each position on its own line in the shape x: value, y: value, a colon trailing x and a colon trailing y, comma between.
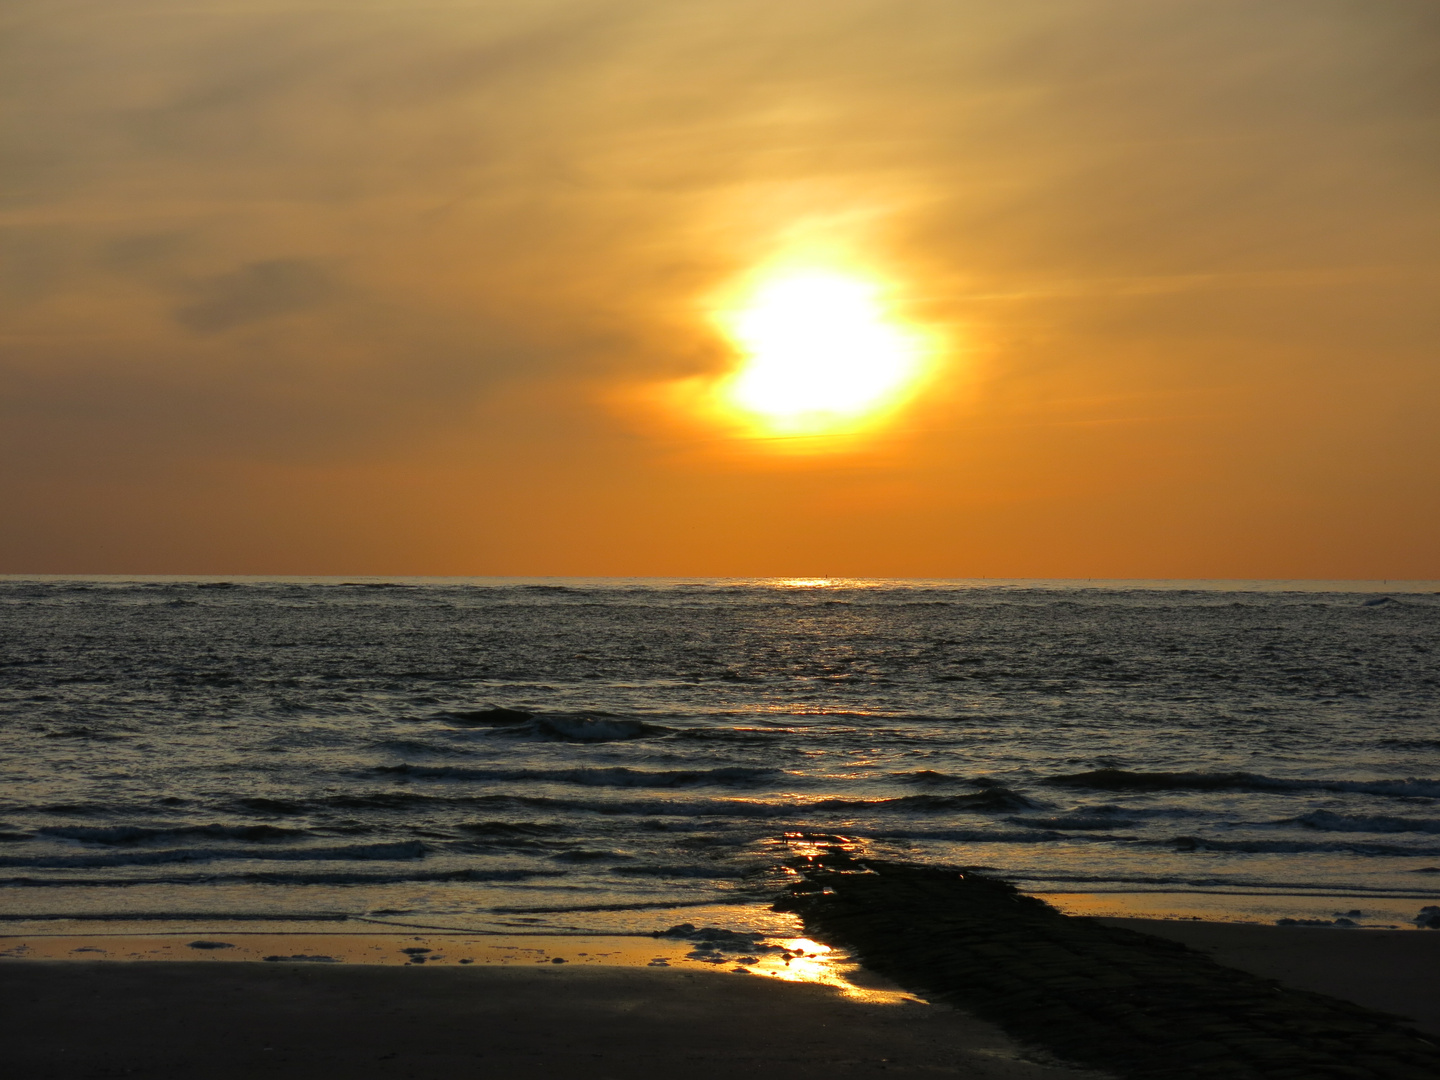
x: 821, y: 353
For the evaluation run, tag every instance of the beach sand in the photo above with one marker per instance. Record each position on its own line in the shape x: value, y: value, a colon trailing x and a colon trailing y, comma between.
x: 1391, y: 971
x: 513, y: 1012
x: 73, y: 1019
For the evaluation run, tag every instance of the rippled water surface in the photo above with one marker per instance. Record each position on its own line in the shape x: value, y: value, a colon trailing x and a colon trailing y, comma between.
x: 579, y: 754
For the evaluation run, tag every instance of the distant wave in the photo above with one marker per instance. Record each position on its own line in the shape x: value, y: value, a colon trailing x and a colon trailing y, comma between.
x: 990, y: 799
x: 512, y: 829
x: 1293, y: 847
x: 389, y: 800
x: 1412, y: 744
x: 732, y: 776
x: 927, y: 778
x: 588, y: 729
x: 1327, y: 821
x: 973, y: 836
x: 490, y: 716
x: 299, y: 877
x: 260, y: 804
x: 710, y: 871
x: 1079, y: 822
x: 557, y: 727
x: 414, y: 800
x: 139, y: 834
x: 421, y: 746
x: 1124, y: 780
x: 404, y: 849
x: 83, y: 732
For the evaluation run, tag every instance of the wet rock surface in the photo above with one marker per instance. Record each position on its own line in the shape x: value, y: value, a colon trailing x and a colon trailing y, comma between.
x: 1106, y: 997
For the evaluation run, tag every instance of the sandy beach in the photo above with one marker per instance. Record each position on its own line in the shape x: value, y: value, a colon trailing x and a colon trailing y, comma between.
x: 369, y: 1009
x: 1391, y: 971
x: 68, y: 1020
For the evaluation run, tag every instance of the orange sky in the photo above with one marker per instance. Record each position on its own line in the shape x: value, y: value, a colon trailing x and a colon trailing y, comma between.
x: 391, y: 288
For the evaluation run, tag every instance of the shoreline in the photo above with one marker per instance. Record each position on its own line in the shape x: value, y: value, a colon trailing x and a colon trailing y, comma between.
x: 1251, y: 906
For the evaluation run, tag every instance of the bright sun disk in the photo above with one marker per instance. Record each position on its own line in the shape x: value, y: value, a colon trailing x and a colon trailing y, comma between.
x: 821, y: 354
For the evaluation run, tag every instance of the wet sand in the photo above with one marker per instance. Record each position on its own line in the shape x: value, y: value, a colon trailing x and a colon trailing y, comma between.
x: 1391, y: 971
x: 69, y: 1019
x: 363, y: 1006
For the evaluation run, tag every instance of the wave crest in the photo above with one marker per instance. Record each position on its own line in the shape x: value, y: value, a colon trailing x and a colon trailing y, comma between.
x: 1125, y: 780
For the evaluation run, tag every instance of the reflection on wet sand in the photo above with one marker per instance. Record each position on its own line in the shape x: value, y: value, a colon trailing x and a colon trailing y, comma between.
x: 798, y: 960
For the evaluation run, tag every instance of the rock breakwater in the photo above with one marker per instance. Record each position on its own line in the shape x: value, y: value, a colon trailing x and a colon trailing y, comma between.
x: 1105, y: 997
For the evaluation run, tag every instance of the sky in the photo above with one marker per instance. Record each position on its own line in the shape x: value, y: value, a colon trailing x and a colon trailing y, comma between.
x: 382, y: 287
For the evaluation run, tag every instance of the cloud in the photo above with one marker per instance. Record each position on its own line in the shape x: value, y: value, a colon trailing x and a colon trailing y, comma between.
x: 258, y: 290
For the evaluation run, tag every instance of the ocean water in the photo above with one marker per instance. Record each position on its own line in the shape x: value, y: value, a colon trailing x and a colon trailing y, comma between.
x: 607, y: 756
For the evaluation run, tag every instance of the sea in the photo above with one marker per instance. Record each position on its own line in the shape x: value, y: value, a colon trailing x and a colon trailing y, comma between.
x: 618, y: 756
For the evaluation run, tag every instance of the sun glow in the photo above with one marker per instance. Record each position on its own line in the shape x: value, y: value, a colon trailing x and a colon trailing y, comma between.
x: 822, y: 354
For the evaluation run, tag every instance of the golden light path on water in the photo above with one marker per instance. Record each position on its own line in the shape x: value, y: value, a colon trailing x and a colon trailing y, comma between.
x: 822, y: 352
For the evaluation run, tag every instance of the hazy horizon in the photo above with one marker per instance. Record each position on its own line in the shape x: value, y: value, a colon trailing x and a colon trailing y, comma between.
x: 1342, y: 585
